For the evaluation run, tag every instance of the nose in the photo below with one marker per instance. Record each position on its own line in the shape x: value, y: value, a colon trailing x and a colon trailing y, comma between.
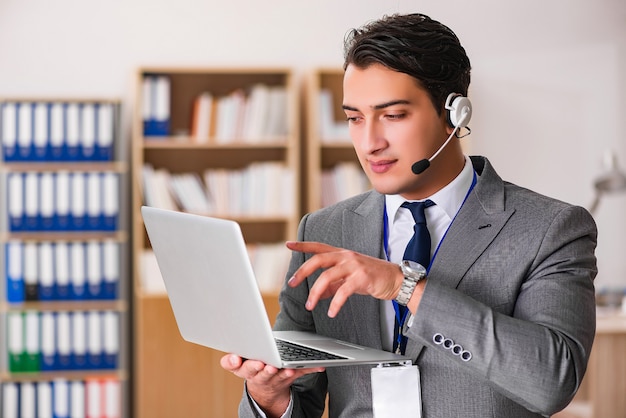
x: 372, y: 137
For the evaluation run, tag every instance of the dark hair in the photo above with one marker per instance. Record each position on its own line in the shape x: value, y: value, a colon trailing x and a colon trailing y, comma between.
x: 416, y: 45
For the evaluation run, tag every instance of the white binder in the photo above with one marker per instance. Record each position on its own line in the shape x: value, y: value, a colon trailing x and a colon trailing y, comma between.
x: 88, y: 131
x: 9, y: 131
x: 25, y: 131
x: 61, y: 392
x: 40, y: 137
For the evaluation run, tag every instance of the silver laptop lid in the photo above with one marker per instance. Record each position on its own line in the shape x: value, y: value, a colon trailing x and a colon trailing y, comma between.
x: 210, y: 283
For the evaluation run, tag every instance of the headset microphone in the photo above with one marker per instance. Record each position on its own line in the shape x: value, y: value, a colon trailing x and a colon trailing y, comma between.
x: 459, y: 113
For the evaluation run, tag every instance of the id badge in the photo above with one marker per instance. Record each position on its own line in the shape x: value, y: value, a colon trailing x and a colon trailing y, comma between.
x: 396, y: 391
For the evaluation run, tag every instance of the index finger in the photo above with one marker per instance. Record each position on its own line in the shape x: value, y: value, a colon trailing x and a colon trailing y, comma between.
x: 310, y: 247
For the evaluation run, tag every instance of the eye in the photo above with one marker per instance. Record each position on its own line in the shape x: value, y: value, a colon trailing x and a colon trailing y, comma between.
x: 353, y: 119
x: 395, y: 116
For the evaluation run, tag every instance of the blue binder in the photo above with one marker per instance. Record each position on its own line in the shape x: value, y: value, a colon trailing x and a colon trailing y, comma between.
x: 61, y: 399
x: 94, y: 201
x: 62, y: 271
x: 45, y: 258
x: 9, y: 131
x: 31, y: 201
x: 58, y: 132
x: 110, y: 269
x: 95, y: 356
x: 62, y: 187
x: 14, y: 272
x: 47, y: 193
x: 48, y: 341
x: 79, y: 340
x: 88, y: 132
x: 41, y: 131
x: 78, y: 201
x: 110, y: 201
x: 157, y: 113
x: 111, y: 339
x: 72, y: 132
x: 15, y: 201
x: 105, y: 128
x: 78, y: 278
x: 63, y: 353
x: 94, y: 270
x: 25, y: 125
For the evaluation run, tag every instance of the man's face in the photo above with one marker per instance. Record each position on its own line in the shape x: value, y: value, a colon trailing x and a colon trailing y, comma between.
x: 393, y: 124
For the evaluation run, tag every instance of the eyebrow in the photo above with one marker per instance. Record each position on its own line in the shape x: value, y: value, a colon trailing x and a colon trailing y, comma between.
x: 378, y: 106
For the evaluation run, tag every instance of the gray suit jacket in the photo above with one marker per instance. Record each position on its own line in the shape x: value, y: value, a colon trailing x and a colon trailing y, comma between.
x: 512, y: 283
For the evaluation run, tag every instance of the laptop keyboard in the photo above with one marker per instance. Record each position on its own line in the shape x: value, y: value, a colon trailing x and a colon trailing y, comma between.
x: 294, y: 352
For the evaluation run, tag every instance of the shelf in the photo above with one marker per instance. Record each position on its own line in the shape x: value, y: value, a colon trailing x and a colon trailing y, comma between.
x: 115, y: 166
x: 198, y: 159
x: 186, y: 142
x: 69, y: 375
x: 69, y: 305
x: 39, y: 236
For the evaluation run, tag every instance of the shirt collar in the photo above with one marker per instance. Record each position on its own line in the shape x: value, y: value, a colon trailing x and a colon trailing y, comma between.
x: 449, y: 199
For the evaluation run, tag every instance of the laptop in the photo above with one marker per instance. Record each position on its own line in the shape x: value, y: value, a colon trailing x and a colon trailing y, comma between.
x: 216, y: 300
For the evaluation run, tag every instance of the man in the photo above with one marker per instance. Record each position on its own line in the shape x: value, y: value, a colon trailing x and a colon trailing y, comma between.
x: 503, y: 323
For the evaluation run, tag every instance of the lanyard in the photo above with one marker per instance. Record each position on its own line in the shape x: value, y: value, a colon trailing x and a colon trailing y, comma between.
x: 401, y: 317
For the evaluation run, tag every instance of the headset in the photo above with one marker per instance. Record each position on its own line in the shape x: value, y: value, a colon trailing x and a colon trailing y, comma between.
x: 459, y: 110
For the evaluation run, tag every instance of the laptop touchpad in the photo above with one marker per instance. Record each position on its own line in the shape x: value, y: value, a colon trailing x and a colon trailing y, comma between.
x: 330, y: 345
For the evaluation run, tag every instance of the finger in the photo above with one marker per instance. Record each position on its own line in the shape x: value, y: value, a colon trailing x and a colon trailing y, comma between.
x: 310, y: 247
x: 341, y: 296
x: 327, y: 285
x: 251, y: 368
x: 310, y: 266
x: 231, y: 362
x: 277, y: 380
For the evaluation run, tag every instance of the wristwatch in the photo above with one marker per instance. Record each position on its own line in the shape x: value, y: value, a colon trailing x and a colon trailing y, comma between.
x: 413, y: 272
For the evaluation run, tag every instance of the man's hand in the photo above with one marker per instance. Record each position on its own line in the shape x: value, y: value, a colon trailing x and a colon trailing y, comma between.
x: 267, y: 385
x: 345, y: 273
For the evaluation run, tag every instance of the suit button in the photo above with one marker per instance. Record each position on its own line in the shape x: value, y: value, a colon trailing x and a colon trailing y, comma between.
x: 457, y: 349
x: 466, y: 355
x: 438, y: 338
x: 448, y: 343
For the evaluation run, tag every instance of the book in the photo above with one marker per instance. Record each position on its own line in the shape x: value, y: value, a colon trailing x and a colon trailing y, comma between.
x: 202, y: 118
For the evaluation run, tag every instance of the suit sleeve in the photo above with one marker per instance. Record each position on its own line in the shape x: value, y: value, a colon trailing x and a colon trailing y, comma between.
x: 534, y: 347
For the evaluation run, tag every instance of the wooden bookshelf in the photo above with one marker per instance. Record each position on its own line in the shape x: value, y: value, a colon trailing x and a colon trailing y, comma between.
x: 328, y: 142
x: 173, y: 377
x: 46, y: 148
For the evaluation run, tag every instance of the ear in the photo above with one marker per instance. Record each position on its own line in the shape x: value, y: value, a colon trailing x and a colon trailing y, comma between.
x: 445, y: 123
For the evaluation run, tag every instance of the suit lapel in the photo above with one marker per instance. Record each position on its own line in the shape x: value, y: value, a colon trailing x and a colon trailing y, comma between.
x: 469, y: 235
x: 478, y: 222
x: 363, y: 232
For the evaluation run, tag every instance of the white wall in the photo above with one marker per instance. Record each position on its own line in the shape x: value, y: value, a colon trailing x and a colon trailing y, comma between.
x: 548, y: 89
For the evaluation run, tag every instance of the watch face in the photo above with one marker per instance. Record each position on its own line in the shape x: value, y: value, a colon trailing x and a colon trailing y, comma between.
x: 413, y: 267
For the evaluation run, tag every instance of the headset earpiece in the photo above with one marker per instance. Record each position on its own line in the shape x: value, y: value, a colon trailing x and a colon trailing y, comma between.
x: 459, y: 110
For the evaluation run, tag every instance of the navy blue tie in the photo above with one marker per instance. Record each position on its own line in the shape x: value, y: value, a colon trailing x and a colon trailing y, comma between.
x: 418, y: 250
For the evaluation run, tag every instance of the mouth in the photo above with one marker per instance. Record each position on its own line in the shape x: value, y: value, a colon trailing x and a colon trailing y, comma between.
x: 381, y: 166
